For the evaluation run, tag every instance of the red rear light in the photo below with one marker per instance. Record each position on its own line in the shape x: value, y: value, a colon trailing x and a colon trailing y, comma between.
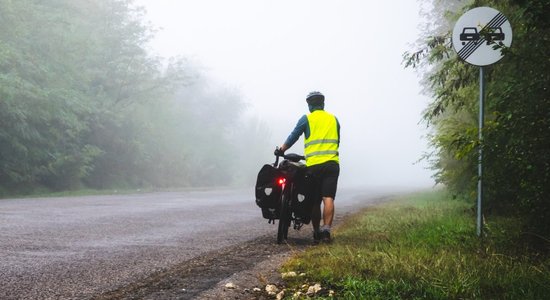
x: 281, y: 181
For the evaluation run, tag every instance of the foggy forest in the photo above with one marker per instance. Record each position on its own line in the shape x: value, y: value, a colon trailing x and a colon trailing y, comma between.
x: 85, y: 105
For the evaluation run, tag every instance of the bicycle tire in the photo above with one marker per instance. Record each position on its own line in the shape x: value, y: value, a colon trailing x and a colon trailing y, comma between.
x: 284, y: 218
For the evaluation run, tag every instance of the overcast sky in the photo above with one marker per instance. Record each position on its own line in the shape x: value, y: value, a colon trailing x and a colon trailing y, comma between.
x: 275, y: 52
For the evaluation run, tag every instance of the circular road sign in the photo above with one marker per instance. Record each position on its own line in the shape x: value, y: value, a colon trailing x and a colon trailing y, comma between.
x: 476, y: 34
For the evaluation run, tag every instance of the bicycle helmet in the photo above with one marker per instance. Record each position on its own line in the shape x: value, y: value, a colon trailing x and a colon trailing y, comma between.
x: 315, y: 98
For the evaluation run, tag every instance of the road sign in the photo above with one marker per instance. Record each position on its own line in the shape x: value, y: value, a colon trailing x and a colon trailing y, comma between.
x: 477, y: 32
x: 475, y: 37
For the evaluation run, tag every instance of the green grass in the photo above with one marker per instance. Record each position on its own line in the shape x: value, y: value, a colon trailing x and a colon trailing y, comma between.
x: 424, y: 246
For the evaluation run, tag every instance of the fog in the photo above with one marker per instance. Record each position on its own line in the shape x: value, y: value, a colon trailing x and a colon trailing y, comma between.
x: 275, y: 52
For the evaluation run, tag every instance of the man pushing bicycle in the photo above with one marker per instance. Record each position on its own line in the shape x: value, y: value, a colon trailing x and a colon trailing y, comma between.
x: 321, y: 142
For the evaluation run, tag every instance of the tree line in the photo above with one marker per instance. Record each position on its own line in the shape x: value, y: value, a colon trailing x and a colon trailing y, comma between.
x: 83, y: 103
x: 517, y: 114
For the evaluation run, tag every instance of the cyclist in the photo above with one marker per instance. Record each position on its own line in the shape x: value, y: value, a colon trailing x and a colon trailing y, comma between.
x: 322, y: 139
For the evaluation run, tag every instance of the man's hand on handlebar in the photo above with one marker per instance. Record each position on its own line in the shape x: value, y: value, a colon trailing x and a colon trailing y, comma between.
x: 279, y: 152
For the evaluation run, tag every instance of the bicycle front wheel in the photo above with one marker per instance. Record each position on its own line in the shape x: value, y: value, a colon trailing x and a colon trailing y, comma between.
x: 284, y: 218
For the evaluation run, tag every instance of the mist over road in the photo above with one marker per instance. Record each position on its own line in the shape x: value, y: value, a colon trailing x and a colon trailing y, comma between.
x: 80, y: 247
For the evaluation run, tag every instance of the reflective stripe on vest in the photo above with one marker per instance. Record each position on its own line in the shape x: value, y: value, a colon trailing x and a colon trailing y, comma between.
x: 322, y: 144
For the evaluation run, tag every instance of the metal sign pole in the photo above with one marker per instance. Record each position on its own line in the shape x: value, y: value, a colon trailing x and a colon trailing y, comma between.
x: 480, y: 159
x: 474, y: 36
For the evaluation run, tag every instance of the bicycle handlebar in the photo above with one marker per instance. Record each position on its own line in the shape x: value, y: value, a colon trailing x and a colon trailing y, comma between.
x: 291, y: 156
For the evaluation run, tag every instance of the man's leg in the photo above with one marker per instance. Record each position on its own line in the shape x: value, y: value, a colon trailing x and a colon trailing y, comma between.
x: 314, y: 191
x: 329, y: 185
x: 316, y: 217
x: 328, y: 211
x: 328, y: 216
x: 316, y: 222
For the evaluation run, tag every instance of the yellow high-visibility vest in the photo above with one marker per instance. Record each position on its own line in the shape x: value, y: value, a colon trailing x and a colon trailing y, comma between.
x: 322, y: 144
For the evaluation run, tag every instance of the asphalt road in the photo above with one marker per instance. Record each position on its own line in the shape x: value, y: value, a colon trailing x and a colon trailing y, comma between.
x: 82, y: 247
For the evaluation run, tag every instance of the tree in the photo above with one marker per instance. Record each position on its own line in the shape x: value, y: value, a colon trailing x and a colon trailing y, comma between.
x: 82, y: 102
x: 41, y: 109
x: 517, y: 158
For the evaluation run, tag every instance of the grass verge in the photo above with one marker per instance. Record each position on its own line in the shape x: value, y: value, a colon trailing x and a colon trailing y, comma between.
x: 423, y: 246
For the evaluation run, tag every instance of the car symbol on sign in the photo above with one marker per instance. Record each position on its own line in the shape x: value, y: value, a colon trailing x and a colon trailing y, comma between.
x: 469, y: 34
x: 495, y: 34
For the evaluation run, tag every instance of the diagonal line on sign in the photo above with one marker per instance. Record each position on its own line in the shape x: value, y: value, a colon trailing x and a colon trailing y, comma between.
x: 472, y: 46
x: 469, y: 49
x: 497, y: 21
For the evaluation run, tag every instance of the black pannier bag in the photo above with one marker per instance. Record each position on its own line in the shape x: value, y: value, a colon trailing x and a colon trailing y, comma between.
x: 268, y: 192
x: 302, y: 201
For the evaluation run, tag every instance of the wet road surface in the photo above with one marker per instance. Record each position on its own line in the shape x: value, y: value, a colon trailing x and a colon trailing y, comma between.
x: 85, y: 247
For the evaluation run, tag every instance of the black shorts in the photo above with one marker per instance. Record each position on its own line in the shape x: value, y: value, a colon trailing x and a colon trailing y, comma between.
x: 324, y: 179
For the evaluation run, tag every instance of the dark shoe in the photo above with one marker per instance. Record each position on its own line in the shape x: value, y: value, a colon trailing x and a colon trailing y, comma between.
x: 325, y: 237
x: 316, y: 237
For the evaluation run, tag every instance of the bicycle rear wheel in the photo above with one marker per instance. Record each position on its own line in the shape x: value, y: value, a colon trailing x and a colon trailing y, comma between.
x: 284, y: 218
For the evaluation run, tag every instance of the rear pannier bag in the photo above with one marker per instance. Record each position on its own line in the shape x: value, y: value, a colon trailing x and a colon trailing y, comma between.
x: 302, y: 201
x: 268, y: 192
